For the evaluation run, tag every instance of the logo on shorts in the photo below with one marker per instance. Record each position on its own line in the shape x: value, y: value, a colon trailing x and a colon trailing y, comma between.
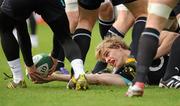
x: 176, y: 68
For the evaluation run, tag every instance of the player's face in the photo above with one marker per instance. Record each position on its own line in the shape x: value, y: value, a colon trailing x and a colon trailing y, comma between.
x: 114, y: 57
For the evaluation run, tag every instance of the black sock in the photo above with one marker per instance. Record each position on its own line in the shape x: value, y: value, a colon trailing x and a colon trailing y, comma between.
x: 114, y: 31
x: 60, y: 51
x: 61, y: 57
x: 136, y: 32
x: 173, y: 66
x: 104, y: 26
x: 99, y: 67
x: 147, y: 48
x: 83, y: 38
x: 59, y: 65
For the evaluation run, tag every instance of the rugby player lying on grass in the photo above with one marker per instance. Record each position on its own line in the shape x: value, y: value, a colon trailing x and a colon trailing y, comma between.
x: 117, y: 54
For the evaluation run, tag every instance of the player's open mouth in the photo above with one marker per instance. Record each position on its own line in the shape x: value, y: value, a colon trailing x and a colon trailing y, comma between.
x: 113, y: 63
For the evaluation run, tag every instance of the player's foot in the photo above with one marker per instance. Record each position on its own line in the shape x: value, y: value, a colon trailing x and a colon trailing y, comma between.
x: 173, y: 82
x: 63, y: 70
x: 72, y: 83
x: 21, y: 84
x: 135, y: 91
x: 78, y: 84
x: 82, y: 83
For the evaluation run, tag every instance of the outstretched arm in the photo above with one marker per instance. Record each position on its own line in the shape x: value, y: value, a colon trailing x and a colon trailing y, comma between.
x: 98, y: 79
x: 105, y: 79
x: 93, y: 79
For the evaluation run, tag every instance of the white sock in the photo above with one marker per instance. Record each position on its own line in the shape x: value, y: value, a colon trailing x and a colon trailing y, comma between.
x: 77, y: 65
x: 16, y: 70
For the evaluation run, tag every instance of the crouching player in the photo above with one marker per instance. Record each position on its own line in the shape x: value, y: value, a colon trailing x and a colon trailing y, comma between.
x: 13, y: 14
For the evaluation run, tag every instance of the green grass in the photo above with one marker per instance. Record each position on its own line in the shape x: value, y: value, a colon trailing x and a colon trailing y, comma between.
x: 56, y: 94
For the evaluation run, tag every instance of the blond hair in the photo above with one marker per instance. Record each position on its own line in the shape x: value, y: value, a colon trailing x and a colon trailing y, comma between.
x: 111, y: 42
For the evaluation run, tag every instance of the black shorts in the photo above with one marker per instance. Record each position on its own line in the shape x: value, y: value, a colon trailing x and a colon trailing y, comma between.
x: 117, y: 2
x: 22, y: 9
x: 90, y: 4
x: 157, y: 70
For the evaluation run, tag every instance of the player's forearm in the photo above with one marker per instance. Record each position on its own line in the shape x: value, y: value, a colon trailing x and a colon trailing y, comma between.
x: 60, y: 77
x: 105, y: 79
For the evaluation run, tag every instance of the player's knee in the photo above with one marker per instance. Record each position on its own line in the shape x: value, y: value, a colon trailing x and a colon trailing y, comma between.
x: 159, y: 9
x: 106, y: 11
x: 71, y: 5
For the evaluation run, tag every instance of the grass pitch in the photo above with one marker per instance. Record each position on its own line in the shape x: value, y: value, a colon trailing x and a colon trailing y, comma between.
x: 56, y: 94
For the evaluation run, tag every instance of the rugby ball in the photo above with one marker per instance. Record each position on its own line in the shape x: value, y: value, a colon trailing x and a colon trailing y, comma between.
x: 43, y: 63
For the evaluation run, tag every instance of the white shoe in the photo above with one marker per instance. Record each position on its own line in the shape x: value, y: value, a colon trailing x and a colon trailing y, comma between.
x: 134, y: 91
x: 173, y: 82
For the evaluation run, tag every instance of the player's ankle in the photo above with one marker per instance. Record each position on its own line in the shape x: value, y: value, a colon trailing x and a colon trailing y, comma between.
x: 140, y: 84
